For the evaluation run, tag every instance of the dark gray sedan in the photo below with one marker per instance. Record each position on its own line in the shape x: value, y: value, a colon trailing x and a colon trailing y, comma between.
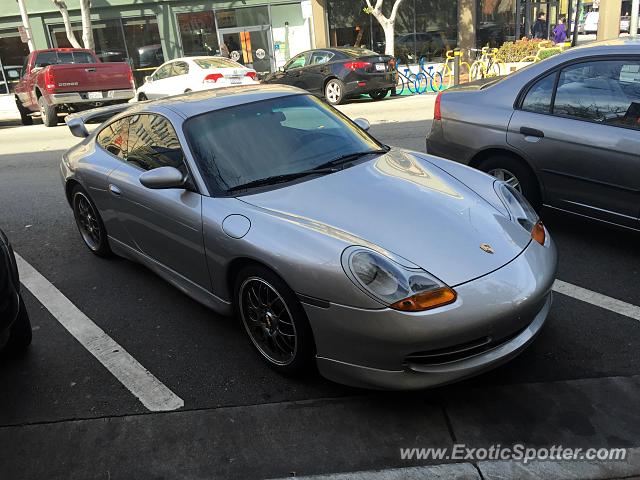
x: 565, y: 131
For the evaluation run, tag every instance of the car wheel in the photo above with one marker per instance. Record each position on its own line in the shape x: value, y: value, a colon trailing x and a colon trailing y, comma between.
x: 142, y: 97
x: 379, y: 94
x: 274, y: 320
x: 334, y: 91
x: 515, y: 173
x: 25, y: 118
x: 89, y: 223
x: 20, y: 334
x: 48, y: 112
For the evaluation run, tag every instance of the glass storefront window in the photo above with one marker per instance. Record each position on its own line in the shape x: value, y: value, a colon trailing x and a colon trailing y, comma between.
x: 198, y: 34
x: 107, y: 36
x: 349, y: 26
x: 144, y: 46
x: 290, y: 32
x: 496, y: 22
x: 12, y: 54
x: 424, y: 28
x: 242, y: 17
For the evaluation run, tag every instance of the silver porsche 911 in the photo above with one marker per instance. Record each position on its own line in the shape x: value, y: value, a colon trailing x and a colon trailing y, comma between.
x: 387, y: 268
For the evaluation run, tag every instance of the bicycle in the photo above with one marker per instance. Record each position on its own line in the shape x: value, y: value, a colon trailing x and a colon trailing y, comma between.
x: 407, y: 79
x: 487, y: 65
x: 429, y: 79
x: 446, y: 70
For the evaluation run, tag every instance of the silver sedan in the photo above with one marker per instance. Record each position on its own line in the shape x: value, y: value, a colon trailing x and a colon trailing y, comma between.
x: 387, y: 268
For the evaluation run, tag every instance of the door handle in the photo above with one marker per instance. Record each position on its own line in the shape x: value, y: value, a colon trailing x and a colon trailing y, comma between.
x: 531, y: 132
x: 114, y: 190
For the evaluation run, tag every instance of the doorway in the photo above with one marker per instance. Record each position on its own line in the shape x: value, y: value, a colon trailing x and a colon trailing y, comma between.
x: 250, y: 46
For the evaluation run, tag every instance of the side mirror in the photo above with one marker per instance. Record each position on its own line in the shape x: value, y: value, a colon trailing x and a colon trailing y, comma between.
x: 77, y: 127
x: 281, y: 69
x: 162, y: 178
x: 363, y: 123
x: 148, y: 79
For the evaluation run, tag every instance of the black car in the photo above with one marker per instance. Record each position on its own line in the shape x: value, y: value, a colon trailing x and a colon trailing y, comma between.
x: 339, y: 73
x: 15, y: 327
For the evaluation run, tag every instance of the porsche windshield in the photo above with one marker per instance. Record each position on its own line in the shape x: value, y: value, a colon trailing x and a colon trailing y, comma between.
x: 276, y: 138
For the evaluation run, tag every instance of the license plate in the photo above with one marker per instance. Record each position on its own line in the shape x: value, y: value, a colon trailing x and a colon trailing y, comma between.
x: 381, y: 67
x: 94, y: 95
x: 236, y: 81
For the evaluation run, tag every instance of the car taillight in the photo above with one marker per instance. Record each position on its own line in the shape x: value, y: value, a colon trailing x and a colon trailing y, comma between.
x: 212, y: 78
x: 131, y: 81
x: 437, y: 113
x: 49, y: 80
x: 357, y: 65
x: 251, y: 75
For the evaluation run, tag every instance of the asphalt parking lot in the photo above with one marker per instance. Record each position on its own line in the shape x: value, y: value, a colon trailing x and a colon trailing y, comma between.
x: 64, y: 415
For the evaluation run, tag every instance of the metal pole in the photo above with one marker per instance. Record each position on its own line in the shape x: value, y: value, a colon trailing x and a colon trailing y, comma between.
x: 26, y: 24
x: 456, y: 66
x: 635, y: 11
x: 518, y: 19
x: 574, y: 40
x: 527, y: 18
x: 569, y: 17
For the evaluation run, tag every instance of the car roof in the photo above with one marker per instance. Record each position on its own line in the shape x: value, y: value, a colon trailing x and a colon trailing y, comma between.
x: 615, y: 46
x: 195, y: 103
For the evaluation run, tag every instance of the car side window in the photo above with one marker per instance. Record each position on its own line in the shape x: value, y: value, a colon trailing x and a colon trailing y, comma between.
x: 298, y: 61
x: 318, y: 58
x: 604, y: 91
x: 540, y: 95
x: 153, y: 143
x: 163, y: 72
x: 180, y: 68
x: 113, y: 138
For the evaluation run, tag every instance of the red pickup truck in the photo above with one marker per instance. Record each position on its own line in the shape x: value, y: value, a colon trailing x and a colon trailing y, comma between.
x: 65, y: 80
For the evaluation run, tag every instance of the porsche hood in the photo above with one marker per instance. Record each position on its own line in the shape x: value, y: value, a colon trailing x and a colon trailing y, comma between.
x: 404, y: 204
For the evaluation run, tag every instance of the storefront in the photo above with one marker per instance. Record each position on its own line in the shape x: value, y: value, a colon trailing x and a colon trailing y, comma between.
x: 262, y: 34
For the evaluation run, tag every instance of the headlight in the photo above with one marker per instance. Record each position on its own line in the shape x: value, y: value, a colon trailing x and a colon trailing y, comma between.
x: 400, y: 287
x: 521, y: 211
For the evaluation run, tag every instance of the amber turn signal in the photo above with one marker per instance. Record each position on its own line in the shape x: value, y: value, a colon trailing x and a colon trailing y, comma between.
x: 538, y: 233
x: 426, y: 300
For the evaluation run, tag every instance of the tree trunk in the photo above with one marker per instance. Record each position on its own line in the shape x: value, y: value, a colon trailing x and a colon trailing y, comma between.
x: 87, y: 31
x: 387, y: 24
x: 62, y: 6
x: 389, y: 38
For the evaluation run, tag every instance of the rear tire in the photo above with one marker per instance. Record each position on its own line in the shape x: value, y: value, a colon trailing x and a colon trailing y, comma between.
x: 49, y: 113
x: 20, y: 334
x: 379, y: 94
x: 334, y: 91
x: 142, y: 97
x: 25, y: 118
x: 525, y: 178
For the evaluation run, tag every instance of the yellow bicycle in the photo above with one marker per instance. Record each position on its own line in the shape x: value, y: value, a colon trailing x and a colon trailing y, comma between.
x: 487, y: 65
x: 446, y: 69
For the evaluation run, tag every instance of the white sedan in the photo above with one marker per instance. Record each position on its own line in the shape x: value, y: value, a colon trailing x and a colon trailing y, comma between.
x: 194, y: 73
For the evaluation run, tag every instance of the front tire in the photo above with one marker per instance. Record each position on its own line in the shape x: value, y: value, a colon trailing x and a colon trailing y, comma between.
x: 515, y: 173
x: 49, y: 113
x: 89, y: 223
x: 274, y: 320
x: 142, y: 97
x: 334, y: 91
x: 379, y: 94
x: 25, y: 118
x: 20, y: 334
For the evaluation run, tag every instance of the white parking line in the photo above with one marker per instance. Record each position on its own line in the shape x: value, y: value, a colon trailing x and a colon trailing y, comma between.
x: 597, y: 299
x: 153, y: 394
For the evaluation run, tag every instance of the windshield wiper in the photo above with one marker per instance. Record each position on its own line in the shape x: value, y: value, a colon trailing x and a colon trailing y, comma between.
x: 282, y: 178
x: 349, y: 157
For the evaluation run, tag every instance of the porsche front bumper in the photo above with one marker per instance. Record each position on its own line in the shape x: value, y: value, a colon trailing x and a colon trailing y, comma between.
x: 493, y: 319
